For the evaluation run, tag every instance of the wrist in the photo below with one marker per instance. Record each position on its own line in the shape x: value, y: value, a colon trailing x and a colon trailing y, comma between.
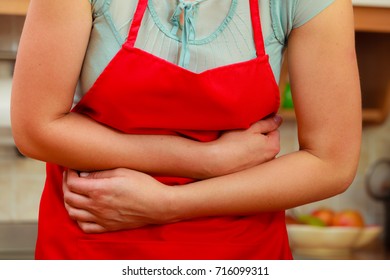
x: 211, y: 164
x: 191, y: 201
x: 171, y: 211
x: 201, y: 161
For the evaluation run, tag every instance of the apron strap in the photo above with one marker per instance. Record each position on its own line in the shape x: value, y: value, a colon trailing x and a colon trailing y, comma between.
x: 136, y: 23
x: 256, y: 25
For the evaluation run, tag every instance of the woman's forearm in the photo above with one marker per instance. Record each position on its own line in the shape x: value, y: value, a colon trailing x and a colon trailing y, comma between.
x: 78, y: 142
x: 283, y: 183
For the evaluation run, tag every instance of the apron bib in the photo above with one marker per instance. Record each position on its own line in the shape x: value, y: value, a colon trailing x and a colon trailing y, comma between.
x: 139, y: 93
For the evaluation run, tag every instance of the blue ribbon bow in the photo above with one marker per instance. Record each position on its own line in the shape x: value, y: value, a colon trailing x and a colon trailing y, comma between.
x: 188, y: 27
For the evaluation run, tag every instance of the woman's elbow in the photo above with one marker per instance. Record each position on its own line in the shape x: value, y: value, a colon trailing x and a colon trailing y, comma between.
x: 26, y: 132
x: 346, y: 178
x: 337, y: 165
x: 23, y: 139
x: 345, y: 169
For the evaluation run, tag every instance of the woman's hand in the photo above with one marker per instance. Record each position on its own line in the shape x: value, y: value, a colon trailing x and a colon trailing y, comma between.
x: 241, y: 149
x: 115, y: 199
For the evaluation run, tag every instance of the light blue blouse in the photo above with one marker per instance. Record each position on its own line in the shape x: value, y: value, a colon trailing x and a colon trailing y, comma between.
x: 221, y: 35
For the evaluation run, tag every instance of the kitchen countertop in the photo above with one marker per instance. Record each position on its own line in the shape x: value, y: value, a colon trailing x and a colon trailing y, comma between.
x: 17, y: 240
x: 373, y: 251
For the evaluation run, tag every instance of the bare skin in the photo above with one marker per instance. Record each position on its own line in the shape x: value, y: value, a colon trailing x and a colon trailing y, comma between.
x: 327, y: 101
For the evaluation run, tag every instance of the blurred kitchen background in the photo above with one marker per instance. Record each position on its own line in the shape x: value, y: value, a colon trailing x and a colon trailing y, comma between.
x: 22, y: 179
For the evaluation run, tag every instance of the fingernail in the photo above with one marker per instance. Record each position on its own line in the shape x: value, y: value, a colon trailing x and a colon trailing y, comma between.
x: 84, y: 174
x: 277, y: 118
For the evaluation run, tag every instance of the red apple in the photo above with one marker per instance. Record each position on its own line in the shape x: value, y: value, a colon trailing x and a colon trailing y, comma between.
x: 348, y: 218
x: 324, y: 214
x: 291, y: 220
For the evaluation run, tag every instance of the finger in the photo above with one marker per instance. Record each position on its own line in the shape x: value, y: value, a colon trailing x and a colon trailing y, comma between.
x: 91, y: 227
x: 80, y: 215
x: 80, y: 185
x: 67, y: 192
x: 275, y: 134
x: 273, y: 139
x: 75, y: 199
x: 267, y: 125
x: 117, y: 172
x: 65, y: 186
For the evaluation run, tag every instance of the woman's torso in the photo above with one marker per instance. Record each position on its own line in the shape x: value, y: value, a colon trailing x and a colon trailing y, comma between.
x: 232, y: 237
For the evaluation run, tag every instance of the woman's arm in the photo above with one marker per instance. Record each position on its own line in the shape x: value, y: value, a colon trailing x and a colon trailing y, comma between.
x: 326, y: 91
x: 49, y: 61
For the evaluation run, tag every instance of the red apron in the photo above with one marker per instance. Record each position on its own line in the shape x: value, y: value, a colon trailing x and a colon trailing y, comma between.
x: 144, y: 94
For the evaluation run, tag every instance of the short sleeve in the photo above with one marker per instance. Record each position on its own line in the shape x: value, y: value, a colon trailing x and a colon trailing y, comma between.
x: 305, y: 10
x: 97, y: 5
x: 287, y: 15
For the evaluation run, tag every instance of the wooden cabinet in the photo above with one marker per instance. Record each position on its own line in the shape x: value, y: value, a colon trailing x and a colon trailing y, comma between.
x: 372, y: 25
x: 372, y: 19
x: 13, y: 7
x: 12, y: 14
x: 373, y: 51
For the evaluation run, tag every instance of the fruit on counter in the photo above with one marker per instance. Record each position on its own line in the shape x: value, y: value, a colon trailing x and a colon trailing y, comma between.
x: 291, y: 220
x: 311, y: 220
x: 324, y: 214
x: 304, y: 219
x: 348, y: 218
x: 326, y: 217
